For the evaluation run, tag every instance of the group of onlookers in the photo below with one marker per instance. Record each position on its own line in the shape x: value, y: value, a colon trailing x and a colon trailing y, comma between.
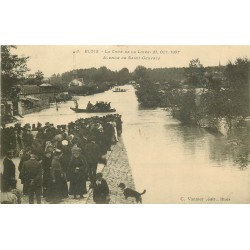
x: 57, y: 161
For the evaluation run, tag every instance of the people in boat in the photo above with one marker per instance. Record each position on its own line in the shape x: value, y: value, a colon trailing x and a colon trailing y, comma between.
x: 89, y: 106
x: 99, y: 106
x: 119, y: 90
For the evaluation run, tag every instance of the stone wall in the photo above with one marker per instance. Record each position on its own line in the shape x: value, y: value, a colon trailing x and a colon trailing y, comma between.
x: 117, y: 170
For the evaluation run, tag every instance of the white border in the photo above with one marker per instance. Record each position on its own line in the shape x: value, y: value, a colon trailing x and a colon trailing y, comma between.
x: 114, y: 226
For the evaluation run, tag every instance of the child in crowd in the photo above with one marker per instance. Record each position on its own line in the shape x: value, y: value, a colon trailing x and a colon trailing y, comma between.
x: 100, y: 190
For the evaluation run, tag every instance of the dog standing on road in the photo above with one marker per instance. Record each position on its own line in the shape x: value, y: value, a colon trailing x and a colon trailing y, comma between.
x: 128, y: 192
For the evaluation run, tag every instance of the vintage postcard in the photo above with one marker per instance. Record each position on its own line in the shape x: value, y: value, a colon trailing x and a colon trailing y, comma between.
x: 125, y: 124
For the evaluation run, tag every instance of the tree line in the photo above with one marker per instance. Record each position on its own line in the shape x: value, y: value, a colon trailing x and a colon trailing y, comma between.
x: 192, y: 93
x: 204, y: 93
x: 15, y: 71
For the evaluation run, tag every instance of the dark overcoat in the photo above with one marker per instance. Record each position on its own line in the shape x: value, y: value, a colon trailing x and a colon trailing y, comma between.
x: 100, y: 192
x: 78, y: 176
x: 9, y: 174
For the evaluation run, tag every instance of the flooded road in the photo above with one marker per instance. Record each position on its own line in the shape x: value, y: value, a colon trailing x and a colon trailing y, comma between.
x: 174, y: 163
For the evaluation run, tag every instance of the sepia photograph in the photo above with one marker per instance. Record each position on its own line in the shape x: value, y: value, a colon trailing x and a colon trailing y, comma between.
x: 125, y: 124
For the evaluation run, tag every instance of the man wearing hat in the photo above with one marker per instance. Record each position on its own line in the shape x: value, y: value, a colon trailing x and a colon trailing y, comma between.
x: 100, y: 190
x: 28, y: 138
x: 25, y: 157
x: 65, y: 157
x: 46, y: 164
x: 32, y: 175
x: 93, y: 153
x: 9, y: 171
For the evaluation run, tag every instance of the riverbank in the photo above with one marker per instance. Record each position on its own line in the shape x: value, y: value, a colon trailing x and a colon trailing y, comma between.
x: 115, y: 171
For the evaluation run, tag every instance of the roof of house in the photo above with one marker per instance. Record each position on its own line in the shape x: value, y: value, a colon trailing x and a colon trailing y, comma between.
x: 29, y: 98
x: 76, y: 82
x: 30, y: 89
x: 45, y: 85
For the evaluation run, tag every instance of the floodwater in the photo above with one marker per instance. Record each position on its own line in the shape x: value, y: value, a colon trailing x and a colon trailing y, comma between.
x: 174, y: 163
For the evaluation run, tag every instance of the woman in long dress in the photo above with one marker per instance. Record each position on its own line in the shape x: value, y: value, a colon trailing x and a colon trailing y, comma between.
x: 58, y: 188
x: 78, y: 173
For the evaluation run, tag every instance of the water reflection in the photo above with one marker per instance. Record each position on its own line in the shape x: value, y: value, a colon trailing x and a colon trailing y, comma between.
x: 172, y: 160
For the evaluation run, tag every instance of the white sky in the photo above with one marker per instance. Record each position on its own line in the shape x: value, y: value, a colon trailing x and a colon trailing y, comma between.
x: 59, y: 58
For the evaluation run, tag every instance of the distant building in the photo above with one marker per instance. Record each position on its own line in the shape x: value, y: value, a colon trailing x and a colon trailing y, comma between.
x: 33, y: 98
x: 76, y: 82
x: 6, y: 107
x: 45, y: 85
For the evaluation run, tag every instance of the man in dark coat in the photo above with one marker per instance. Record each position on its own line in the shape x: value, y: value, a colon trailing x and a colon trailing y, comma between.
x: 38, y: 148
x: 65, y: 158
x: 17, y: 141
x: 24, y: 157
x: 100, y: 190
x: 9, y: 172
x: 46, y: 164
x: 119, y: 125
x: 108, y: 134
x: 92, y: 152
x: 32, y: 174
x: 27, y: 138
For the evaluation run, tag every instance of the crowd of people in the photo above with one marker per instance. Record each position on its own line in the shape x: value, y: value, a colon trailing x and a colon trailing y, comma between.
x: 51, y: 156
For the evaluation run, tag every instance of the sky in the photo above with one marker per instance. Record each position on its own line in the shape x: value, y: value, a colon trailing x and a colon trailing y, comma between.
x: 61, y: 58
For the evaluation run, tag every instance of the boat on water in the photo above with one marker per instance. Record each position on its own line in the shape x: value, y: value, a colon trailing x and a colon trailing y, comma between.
x: 119, y: 90
x: 77, y: 110
x: 99, y: 107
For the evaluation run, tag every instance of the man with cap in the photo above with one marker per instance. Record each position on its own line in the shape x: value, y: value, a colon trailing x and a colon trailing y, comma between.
x: 32, y: 175
x: 100, y: 190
